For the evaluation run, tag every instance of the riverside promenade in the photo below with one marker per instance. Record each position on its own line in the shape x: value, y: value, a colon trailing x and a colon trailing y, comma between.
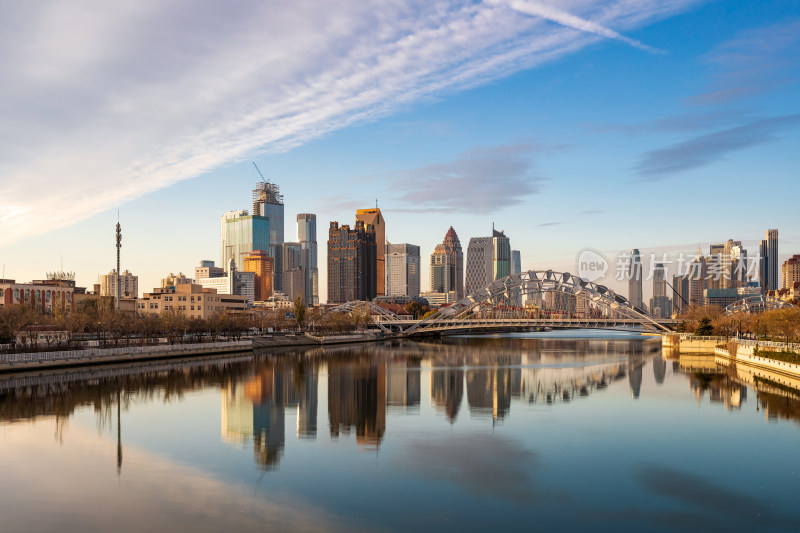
x: 15, y: 362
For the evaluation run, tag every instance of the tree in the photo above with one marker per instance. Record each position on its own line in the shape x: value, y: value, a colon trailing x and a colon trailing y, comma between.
x: 704, y: 327
x: 299, y: 311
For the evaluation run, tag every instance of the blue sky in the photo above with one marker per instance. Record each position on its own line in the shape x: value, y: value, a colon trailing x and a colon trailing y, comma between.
x: 611, y: 125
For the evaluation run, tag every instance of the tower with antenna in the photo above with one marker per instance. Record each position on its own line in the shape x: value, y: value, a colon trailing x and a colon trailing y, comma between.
x: 119, y: 245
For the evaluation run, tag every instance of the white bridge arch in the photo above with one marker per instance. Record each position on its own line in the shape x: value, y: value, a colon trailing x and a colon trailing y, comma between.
x: 756, y: 304
x: 539, y: 281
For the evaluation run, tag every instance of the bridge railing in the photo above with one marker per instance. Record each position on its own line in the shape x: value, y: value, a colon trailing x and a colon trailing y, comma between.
x: 108, y: 352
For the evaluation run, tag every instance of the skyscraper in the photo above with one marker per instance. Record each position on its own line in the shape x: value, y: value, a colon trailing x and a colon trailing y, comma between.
x: 501, y: 255
x: 240, y: 235
x: 660, y: 304
x: 352, y: 268
x: 680, y: 293
x: 516, y: 262
x: 307, y: 237
x: 292, y: 267
x: 452, y: 247
x: 441, y: 270
x: 402, y: 270
x: 635, y: 280
x: 479, y: 264
x: 374, y: 218
x: 768, y: 256
x: 268, y: 203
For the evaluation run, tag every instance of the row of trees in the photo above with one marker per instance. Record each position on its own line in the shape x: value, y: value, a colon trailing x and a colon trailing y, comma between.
x: 98, y: 320
x: 778, y: 324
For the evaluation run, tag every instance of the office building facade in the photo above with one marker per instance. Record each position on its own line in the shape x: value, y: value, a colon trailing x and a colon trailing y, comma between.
x: 635, y: 280
x: 402, y: 270
x: 768, y: 257
x: 268, y: 204
x: 479, y: 264
x: 241, y: 234
x: 790, y: 272
x: 263, y: 268
x: 307, y: 237
x: 374, y: 218
x: 352, y: 264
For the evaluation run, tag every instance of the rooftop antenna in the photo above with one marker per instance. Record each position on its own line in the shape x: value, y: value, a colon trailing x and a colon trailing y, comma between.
x: 119, y: 244
x: 259, y: 172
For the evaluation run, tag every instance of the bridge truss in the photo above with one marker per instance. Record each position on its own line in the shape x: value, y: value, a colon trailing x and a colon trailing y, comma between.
x: 535, y: 282
x: 756, y: 304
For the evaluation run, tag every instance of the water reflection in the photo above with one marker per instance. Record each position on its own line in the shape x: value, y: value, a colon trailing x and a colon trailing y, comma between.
x: 507, y: 430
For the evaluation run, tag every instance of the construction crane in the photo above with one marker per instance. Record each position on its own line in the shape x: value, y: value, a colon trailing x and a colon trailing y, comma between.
x: 259, y: 172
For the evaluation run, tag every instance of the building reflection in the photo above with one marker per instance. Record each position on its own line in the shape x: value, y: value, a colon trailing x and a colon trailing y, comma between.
x: 635, y: 365
x: 255, y: 408
x: 720, y: 389
x: 659, y: 368
x: 403, y: 384
x: 357, y: 399
x: 447, y: 390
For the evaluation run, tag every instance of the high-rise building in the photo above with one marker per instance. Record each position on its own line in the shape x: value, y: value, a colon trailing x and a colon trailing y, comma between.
x: 293, y: 268
x: 479, y: 264
x: 791, y: 271
x: 128, y: 285
x: 697, y: 278
x: 234, y: 281
x: 680, y: 293
x: 769, y: 261
x: 307, y: 237
x: 241, y: 234
x: 452, y: 247
x: 374, y: 218
x: 501, y: 255
x: 263, y: 267
x: 352, y: 267
x: 516, y: 262
x: 441, y: 270
x: 402, y: 270
x: 660, y: 303
x: 268, y: 203
x: 635, y: 280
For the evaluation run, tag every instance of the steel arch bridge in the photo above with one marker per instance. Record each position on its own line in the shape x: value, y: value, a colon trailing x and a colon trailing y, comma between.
x: 385, y: 315
x: 531, y: 282
x: 756, y: 304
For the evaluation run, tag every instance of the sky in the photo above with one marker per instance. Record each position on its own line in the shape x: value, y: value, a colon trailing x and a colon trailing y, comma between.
x: 661, y: 125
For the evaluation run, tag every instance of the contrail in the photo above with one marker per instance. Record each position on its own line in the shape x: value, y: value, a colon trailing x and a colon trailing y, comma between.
x: 569, y: 20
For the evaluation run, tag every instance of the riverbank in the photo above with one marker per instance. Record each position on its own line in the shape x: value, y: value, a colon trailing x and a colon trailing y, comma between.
x: 17, y: 362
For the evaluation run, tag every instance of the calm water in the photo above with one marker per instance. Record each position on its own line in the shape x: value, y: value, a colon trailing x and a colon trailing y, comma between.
x: 473, y: 433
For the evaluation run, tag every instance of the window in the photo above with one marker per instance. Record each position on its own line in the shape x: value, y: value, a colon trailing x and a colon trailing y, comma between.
x: 16, y: 294
x: 192, y: 299
x: 192, y: 308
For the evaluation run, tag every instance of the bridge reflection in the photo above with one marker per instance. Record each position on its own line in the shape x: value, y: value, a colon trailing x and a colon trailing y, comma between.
x: 271, y: 398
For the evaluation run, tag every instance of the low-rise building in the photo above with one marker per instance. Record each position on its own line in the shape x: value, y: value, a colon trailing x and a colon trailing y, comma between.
x: 46, y: 295
x: 192, y: 300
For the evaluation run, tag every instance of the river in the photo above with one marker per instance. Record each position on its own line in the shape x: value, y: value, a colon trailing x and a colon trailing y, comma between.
x: 570, y: 430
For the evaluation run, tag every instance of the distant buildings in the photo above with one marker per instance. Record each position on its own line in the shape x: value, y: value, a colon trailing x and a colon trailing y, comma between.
x: 352, y: 264
x: 233, y: 282
x: 768, y: 257
x: 635, y: 296
x: 791, y: 272
x: 680, y: 293
x: 294, y: 274
x: 516, y: 262
x: 173, y: 279
x: 128, y: 284
x: 488, y: 259
x: 402, y: 270
x: 374, y: 218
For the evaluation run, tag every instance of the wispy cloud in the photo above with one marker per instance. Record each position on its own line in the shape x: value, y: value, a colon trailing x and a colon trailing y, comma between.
x: 692, y: 121
x: 553, y: 14
x: 483, y: 180
x: 105, y: 102
x: 706, y: 149
x: 754, y: 61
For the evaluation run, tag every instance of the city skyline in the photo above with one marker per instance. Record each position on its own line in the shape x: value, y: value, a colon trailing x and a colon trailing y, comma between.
x: 520, y: 144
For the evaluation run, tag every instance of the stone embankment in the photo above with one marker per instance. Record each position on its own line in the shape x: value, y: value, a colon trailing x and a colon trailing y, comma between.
x: 44, y: 360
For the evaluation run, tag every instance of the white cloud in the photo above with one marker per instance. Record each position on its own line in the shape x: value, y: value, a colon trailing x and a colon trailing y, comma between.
x: 104, y: 102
